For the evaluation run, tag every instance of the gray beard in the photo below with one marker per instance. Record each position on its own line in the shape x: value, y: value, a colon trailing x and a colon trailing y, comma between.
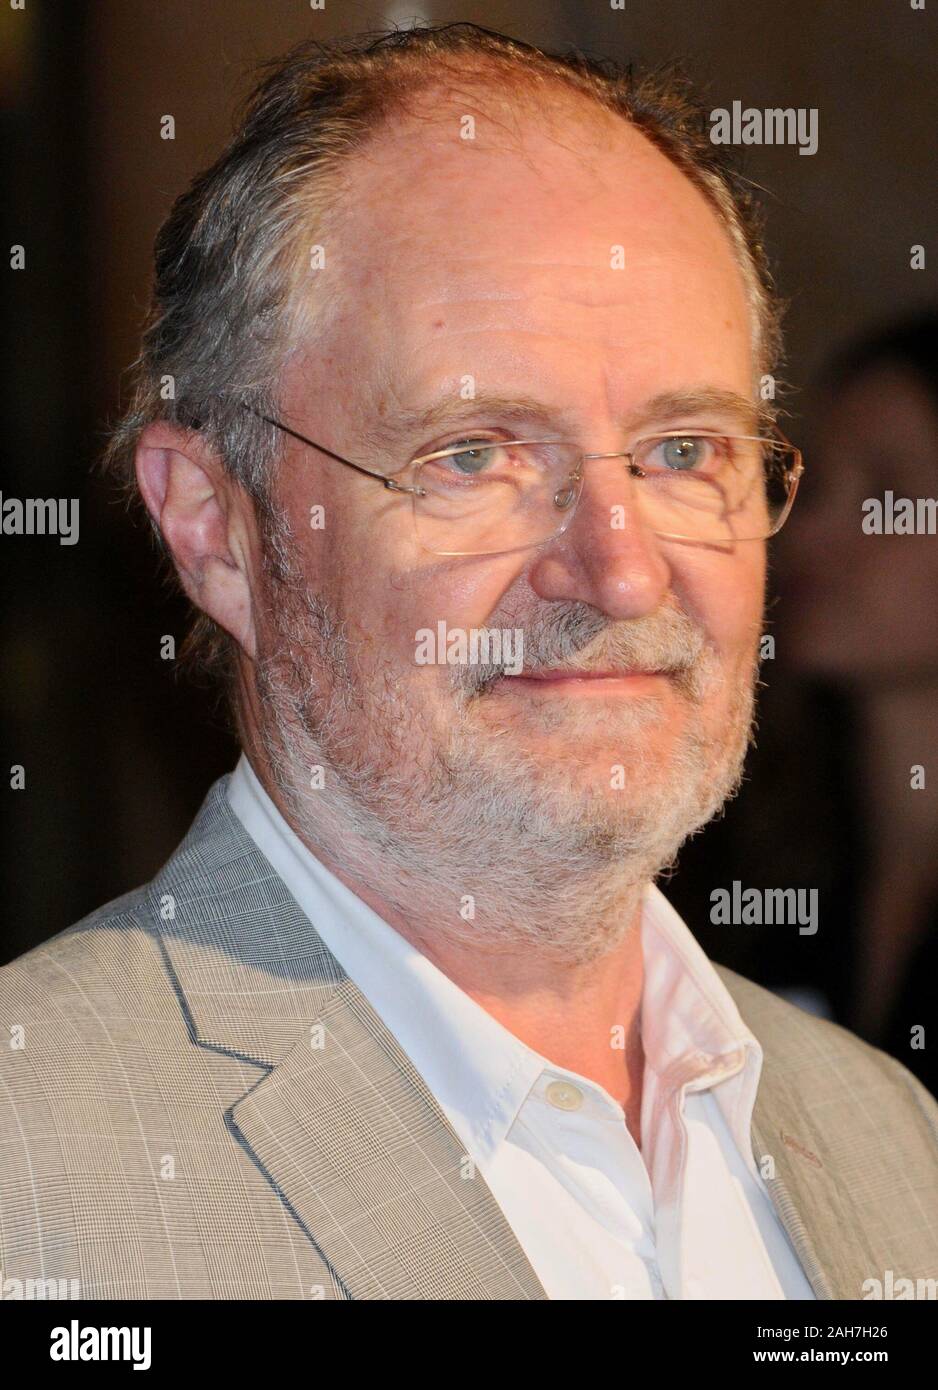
x: 458, y: 826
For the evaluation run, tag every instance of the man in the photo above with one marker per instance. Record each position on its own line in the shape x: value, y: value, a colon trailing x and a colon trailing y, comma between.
x: 465, y: 343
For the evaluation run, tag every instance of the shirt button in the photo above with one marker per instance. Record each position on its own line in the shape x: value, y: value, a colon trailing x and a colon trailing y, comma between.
x: 564, y: 1096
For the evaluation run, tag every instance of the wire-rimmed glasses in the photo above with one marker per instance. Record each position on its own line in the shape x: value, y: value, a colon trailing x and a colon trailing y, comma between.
x: 485, y: 495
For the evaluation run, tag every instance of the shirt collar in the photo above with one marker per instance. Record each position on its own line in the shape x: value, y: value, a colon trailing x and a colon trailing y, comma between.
x: 477, y: 1070
x: 692, y: 1032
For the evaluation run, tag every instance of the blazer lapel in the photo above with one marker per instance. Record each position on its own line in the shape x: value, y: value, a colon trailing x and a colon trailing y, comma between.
x: 347, y: 1131
x: 340, y: 1123
x: 787, y: 1206
x: 804, y: 1081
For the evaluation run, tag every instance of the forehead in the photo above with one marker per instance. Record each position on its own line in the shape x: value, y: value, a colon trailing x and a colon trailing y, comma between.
x: 456, y: 255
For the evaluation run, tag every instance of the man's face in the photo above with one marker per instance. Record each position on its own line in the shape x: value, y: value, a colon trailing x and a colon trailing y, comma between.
x: 490, y: 262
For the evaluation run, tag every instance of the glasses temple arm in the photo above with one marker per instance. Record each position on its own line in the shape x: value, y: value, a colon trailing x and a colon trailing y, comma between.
x: 359, y: 468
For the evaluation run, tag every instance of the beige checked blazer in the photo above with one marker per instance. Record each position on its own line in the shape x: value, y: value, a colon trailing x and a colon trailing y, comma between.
x: 197, y: 1102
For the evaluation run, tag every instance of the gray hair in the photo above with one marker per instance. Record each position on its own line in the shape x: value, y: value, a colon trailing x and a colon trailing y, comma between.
x: 230, y: 292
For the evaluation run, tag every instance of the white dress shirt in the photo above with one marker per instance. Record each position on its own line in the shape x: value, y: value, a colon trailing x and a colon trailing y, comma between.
x: 685, y: 1217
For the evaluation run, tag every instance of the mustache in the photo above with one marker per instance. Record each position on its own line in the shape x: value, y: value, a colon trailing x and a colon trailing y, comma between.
x: 577, y: 637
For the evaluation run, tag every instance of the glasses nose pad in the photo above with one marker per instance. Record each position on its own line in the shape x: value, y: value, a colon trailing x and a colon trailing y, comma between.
x: 565, y: 496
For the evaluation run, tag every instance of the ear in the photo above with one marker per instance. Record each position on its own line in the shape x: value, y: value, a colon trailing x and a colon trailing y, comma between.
x: 207, y: 521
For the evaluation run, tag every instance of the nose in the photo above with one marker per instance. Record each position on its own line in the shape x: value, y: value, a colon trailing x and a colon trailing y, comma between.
x: 608, y: 556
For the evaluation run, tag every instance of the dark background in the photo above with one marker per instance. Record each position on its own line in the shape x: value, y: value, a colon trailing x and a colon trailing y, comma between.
x: 118, y: 751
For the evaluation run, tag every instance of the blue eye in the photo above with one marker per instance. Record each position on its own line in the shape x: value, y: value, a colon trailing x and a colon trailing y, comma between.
x: 682, y: 454
x: 474, y: 458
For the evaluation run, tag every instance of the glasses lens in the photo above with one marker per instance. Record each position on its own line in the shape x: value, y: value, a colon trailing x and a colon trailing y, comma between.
x: 713, y: 488
x: 487, y: 496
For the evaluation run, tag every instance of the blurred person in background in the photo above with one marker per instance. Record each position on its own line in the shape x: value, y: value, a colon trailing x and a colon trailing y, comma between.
x: 849, y: 708
x: 858, y: 621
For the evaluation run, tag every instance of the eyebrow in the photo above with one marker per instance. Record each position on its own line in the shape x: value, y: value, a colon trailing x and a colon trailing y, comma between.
x: 522, y: 411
